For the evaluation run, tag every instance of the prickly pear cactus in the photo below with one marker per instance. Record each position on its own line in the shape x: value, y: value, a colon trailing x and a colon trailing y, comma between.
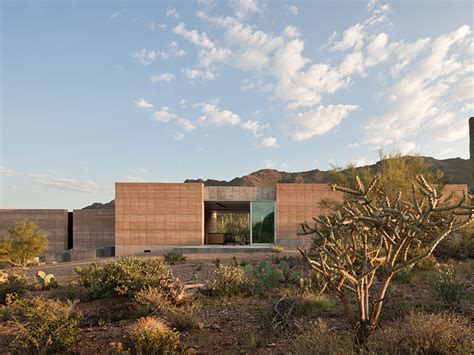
x: 46, y: 280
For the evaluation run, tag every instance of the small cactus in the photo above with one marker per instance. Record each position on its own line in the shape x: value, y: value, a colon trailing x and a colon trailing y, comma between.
x: 46, y: 280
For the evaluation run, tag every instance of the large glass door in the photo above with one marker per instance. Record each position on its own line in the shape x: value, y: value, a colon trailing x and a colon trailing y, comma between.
x: 263, y: 222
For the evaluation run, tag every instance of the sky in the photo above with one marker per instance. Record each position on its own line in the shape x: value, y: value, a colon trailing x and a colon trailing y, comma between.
x: 94, y: 92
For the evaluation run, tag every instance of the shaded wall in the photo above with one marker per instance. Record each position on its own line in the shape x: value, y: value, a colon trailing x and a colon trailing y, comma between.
x: 52, y: 222
x: 238, y: 193
x: 93, y: 228
x: 296, y: 203
x: 152, y: 215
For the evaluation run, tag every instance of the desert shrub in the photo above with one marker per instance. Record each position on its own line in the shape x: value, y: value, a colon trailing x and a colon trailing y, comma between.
x: 428, y: 263
x: 459, y: 246
x: 228, y: 280
x: 14, y: 288
x: 151, y: 336
x: 404, y: 276
x: 44, y: 325
x: 265, y: 276
x: 312, y: 305
x: 450, y: 289
x: 180, y: 317
x: 420, y: 333
x: 174, y: 257
x: 88, y: 275
x: 128, y: 276
x: 322, y: 340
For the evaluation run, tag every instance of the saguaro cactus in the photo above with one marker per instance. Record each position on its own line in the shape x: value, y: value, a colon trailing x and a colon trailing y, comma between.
x: 471, y: 146
x: 361, y: 247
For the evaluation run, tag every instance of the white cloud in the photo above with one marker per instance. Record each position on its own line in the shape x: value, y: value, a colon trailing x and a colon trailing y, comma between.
x: 377, y: 50
x: 183, y: 102
x: 172, y: 13
x: 289, y: 59
x: 130, y: 178
x: 464, y: 90
x: 117, y: 14
x: 353, y: 37
x: 209, y: 53
x: 214, y: 115
x: 186, y: 124
x: 6, y: 171
x: 269, y: 164
x: 62, y: 183
x: 251, y: 60
x: 178, y: 136
x: 162, y: 77
x: 199, y: 75
x: 291, y: 32
x: 244, y: 7
x: 269, y: 142
x: 199, y: 39
x: 145, y: 56
x: 317, y: 121
x: 406, y: 148
x: 353, y: 145
x: 468, y: 107
x: 157, y: 26
x: 291, y: 9
x: 362, y: 162
x: 418, y: 97
x: 164, y: 115
x: 142, y: 104
x: 254, y: 126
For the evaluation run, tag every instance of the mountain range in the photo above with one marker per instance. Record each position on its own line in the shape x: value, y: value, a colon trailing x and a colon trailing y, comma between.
x: 456, y: 171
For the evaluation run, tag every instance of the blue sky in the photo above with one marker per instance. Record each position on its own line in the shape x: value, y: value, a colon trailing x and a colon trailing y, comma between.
x: 95, y: 92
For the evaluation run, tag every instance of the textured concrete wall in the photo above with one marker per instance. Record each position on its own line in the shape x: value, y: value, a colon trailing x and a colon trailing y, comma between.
x: 238, y: 193
x: 52, y: 222
x: 93, y: 228
x: 151, y: 215
x: 296, y: 203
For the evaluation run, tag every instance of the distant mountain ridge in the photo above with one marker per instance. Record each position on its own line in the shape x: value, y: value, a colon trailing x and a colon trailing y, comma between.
x: 456, y: 171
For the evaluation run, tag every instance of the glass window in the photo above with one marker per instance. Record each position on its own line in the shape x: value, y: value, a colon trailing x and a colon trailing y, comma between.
x: 263, y: 222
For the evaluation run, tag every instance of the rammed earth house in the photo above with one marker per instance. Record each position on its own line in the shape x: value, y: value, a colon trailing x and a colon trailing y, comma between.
x: 150, y: 217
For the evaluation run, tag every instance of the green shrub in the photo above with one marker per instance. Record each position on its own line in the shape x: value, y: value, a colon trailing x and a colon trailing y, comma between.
x: 151, y: 336
x: 457, y: 246
x: 45, y: 325
x: 450, y: 289
x: 127, y: 276
x: 265, y: 275
x: 321, y: 340
x: 174, y: 257
x: 404, y: 276
x: 427, y: 264
x: 228, y: 280
x: 420, y: 333
x: 89, y: 274
x: 22, y: 243
x: 312, y: 305
x: 14, y: 288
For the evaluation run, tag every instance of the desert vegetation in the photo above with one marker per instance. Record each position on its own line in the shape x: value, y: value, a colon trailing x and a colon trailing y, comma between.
x: 386, y: 273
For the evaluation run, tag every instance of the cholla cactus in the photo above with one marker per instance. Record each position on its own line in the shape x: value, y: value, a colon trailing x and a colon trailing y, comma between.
x: 46, y: 280
x: 372, y: 237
